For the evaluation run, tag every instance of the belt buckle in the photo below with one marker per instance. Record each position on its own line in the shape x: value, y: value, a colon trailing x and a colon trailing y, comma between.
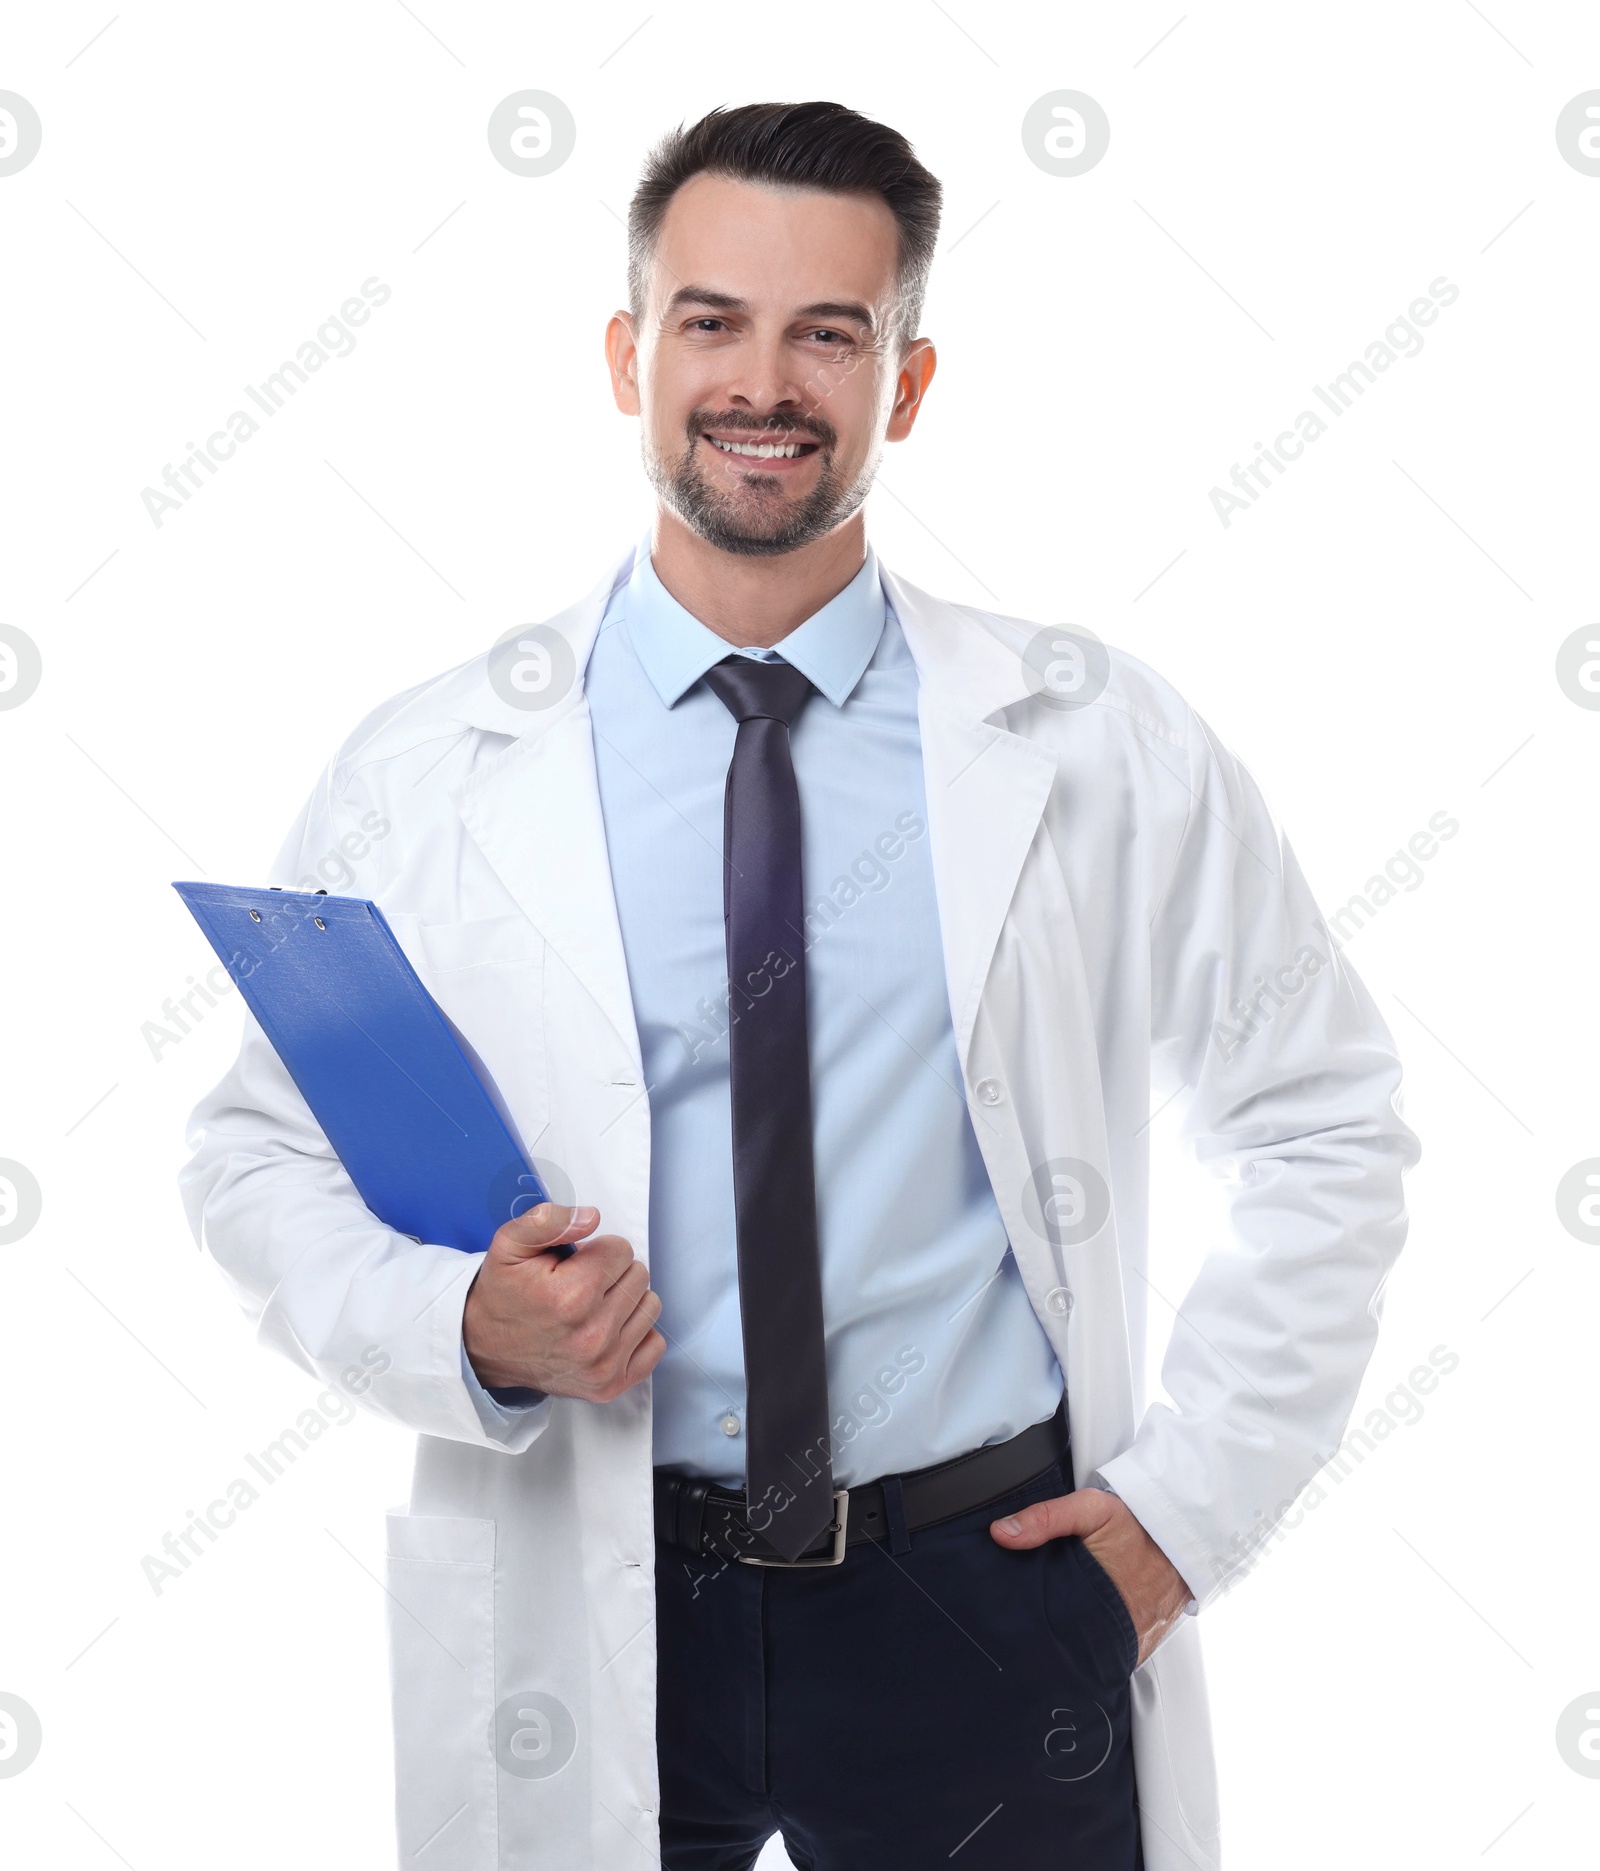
x: 838, y: 1528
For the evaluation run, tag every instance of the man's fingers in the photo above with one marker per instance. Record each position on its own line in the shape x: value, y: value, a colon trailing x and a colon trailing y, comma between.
x: 628, y: 1311
x: 617, y: 1297
x: 1082, y: 1513
x: 632, y: 1350
x: 551, y: 1224
x: 647, y: 1355
x: 579, y: 1286
x: 645, y: 1312
x: 632, y: 1274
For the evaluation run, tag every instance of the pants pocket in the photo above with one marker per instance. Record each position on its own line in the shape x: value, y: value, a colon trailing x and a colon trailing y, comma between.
x: 1115, y: 1605
x: 441, y: 1671
x: 1087, y: 1613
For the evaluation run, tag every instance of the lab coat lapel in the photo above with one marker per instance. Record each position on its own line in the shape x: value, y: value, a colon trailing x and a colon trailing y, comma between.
x: 986, y: 787
x: 534, y: 812
x: 986, y: 791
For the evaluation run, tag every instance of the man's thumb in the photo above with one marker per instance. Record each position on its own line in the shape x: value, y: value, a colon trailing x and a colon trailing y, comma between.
x: 551, y: 1224
x: 1081, y: 1513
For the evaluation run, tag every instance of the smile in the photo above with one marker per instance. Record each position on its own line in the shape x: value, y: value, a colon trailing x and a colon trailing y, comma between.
x: 764, y: 451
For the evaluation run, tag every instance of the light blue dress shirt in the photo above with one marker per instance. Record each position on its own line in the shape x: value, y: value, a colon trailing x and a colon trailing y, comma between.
x: 933, y: 1347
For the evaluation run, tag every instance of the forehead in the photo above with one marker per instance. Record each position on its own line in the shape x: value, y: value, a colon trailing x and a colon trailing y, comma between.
x: 776, y: 247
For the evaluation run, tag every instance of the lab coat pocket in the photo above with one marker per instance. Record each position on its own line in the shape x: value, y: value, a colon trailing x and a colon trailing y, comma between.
x: 441, y: 1669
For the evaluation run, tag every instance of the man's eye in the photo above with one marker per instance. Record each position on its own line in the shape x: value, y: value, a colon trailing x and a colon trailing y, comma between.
x: 707, y: 324
x: 833, y: 337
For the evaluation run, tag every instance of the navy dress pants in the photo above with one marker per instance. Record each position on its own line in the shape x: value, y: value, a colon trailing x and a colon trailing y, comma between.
x: 935, y: 1701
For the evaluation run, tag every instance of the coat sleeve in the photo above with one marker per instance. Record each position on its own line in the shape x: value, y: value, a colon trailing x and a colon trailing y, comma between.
x: 320, y: 1277
x: 1291, y: 1086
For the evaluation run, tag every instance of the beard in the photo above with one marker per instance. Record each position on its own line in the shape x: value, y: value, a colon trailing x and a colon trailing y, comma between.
x: 758, y: 517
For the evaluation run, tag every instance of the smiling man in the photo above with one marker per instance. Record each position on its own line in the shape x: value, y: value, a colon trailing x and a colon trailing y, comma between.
x: 831, y: 942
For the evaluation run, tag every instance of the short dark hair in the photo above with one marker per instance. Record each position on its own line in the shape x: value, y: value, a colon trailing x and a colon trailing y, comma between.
x: 816, y: 145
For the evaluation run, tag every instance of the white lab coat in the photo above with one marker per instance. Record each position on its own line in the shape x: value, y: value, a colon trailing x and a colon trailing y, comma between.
x: 1110, y: 884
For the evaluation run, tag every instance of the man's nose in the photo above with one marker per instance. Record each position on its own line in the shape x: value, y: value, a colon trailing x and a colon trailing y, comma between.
x: 763, y: 380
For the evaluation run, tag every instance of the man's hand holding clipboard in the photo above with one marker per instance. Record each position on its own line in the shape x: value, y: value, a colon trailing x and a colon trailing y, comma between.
x: 576, y: 1326
x: 428, y: 1143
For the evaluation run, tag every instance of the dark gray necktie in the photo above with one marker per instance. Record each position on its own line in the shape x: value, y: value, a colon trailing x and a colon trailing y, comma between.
x: 788, y: 1466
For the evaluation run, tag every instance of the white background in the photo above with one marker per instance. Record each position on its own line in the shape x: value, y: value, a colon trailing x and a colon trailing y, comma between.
x: 1376, y: 637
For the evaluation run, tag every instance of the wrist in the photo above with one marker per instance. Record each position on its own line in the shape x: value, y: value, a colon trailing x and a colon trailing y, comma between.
x: 477, y: 1347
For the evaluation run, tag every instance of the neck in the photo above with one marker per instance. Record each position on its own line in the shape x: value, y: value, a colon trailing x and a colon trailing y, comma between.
x: 754, y: 603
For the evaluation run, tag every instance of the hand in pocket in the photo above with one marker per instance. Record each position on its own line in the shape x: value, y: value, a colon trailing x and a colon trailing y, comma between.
x: 1151, y: 1588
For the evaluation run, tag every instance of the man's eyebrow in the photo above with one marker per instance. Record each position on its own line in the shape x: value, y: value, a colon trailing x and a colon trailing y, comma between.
x: 705, y: 295
x: 837, y: 309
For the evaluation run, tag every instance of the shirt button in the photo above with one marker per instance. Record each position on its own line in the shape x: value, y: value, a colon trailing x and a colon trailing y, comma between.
x: 730, y: 1424
x: 1059, y: 1301
x: 989, y: 1091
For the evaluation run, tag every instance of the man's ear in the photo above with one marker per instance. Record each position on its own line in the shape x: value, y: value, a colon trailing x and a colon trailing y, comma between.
x: 911, y: 385
x: 622, y: 357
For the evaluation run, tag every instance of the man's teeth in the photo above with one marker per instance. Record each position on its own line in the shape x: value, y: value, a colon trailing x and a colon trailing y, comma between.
x: 763, y: 451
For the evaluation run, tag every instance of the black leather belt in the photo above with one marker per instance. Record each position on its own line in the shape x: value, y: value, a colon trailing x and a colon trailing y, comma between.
x: 699, y: 1516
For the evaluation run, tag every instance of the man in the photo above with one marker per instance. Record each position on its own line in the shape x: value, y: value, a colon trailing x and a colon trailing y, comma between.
x: 830, y: 942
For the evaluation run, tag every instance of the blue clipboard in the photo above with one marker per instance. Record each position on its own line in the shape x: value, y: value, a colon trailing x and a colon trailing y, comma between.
x: 398, y: 1091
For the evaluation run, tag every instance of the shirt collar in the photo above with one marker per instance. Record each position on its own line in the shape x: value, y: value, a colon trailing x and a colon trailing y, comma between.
x: 831, y: 648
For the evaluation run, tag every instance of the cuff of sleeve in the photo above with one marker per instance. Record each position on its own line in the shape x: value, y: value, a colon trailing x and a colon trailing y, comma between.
x: 498, y: 1410
x: 1156, y: 1514
x: 515, y: 1397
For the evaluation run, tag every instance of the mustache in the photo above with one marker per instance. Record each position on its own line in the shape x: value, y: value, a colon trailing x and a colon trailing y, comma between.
x: 813, y: 428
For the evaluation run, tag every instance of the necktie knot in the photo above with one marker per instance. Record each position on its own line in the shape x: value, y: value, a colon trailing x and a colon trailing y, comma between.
x: 752, y: 690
